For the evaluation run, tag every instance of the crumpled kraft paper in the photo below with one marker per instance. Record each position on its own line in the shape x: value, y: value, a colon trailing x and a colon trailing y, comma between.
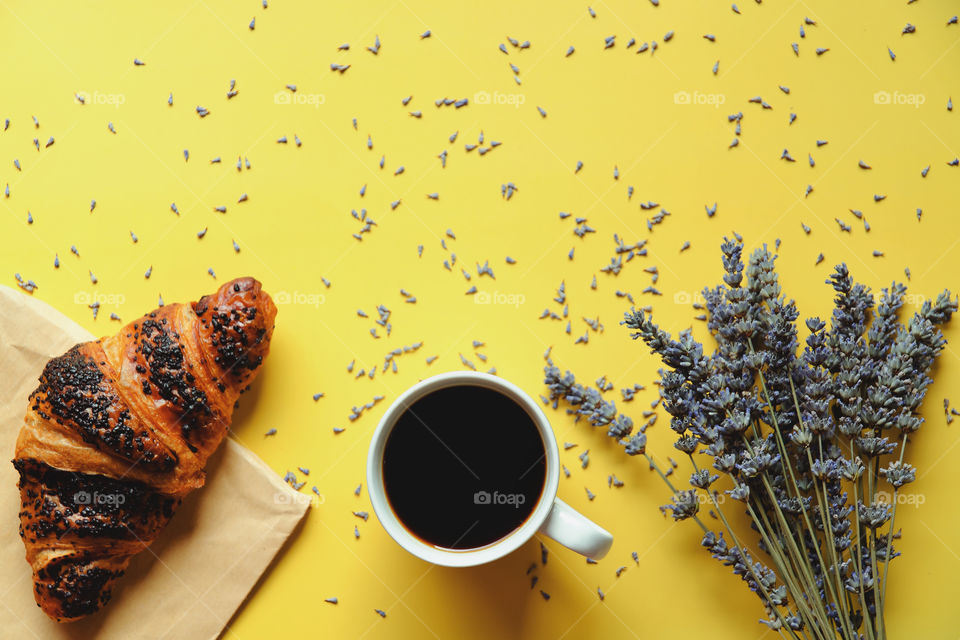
x: 198, y: 572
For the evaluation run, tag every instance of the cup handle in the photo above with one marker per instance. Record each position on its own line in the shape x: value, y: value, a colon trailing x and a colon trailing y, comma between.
x: 575, y: 531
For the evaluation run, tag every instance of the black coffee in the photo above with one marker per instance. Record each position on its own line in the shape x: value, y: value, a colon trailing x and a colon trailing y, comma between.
x: 463, y: 467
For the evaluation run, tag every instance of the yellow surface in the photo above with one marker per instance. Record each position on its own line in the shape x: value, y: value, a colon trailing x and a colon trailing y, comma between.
x: 607, y: 108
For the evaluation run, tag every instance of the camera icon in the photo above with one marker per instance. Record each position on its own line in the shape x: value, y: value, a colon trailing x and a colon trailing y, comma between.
x: 81, y: 297
x: 481, y: 97
x: 282, y: 297
x: 881, y: 97
x: 681, y: 297
x: 81, y: 497
x: 681, y: 97
x: 482, y: 297
x: 482, y: 497
x: 281, y: 97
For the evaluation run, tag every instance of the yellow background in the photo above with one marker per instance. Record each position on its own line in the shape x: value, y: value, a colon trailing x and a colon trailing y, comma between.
x: 605, y: 107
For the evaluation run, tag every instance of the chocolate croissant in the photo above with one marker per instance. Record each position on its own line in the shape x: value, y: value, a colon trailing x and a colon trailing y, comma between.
x: 119, y: 431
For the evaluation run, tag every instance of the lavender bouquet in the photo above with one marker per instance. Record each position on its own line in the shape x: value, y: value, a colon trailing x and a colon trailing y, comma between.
x: 806, y: 444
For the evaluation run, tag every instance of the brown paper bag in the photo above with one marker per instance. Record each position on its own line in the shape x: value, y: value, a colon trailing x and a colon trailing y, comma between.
x: 198, y: 572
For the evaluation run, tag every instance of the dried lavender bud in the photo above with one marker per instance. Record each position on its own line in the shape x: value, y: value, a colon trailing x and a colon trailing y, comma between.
x: 801, y: 437
x: 873, y: 516
x: 732, y: 263
x: 684, y: 505
x: 686, y: 444
x: 740, y: 492
x: 872, y: 446
x: 637, y: 444
x: 760, y: 579
x: 858, y: 581
x: 852, y: 469
x: 753, y: 465
x: 725, y: 463
x: 589, y: 403
x: 899, y: 473
x: 702, y: 479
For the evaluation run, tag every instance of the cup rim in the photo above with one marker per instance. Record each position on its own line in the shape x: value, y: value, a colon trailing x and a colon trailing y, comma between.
x: 467, y: 557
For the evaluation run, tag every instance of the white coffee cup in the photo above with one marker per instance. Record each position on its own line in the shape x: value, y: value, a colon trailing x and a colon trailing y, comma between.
x: 551, y: 515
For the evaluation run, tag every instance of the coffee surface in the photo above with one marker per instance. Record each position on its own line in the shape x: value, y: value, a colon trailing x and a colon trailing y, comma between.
x: 463, y: 467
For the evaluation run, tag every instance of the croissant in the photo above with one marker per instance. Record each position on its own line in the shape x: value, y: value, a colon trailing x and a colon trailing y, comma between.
x: 119, y: 431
